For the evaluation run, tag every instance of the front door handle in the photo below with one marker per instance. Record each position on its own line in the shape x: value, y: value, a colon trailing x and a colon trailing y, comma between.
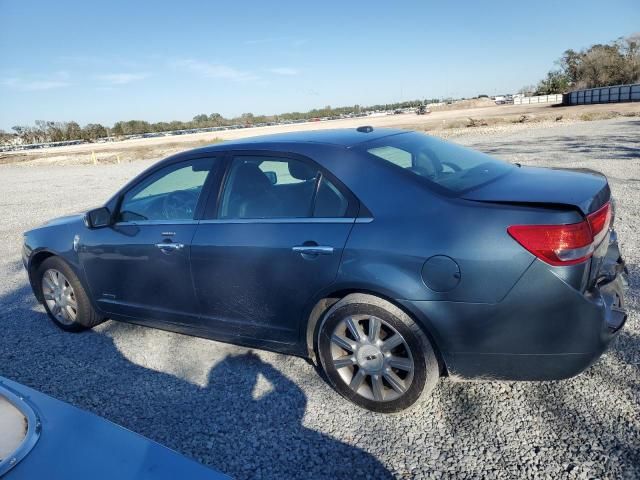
x: 313, y: 250
x: 166, y: 247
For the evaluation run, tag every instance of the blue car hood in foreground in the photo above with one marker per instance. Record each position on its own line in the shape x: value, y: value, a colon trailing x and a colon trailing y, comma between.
x: 71, y: 444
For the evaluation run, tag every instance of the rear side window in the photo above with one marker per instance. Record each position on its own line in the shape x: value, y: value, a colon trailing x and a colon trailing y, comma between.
x: 452, y: 167
x: 271, y: 187
x: 329, y: 202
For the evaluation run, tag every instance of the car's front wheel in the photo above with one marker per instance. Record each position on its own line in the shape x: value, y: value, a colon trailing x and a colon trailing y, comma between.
x: 64, y: 297
x: 375, y: 355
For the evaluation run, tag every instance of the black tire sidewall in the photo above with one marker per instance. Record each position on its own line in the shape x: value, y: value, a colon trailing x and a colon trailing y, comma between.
x: 84, y: 310
x: 413, y: 341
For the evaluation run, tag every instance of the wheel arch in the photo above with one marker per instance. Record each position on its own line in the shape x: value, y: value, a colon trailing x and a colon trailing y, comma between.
x: 36, y: 260
x: 322, y: 306
x: 34, y: 264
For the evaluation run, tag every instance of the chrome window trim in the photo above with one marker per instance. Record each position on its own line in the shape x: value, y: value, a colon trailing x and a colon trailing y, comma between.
x: 248, y: 220
x: 33, y: 428
x: 155, y: 222
x: 280, y: 220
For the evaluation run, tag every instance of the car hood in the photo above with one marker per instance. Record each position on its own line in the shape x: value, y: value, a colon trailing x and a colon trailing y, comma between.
x: 67, y: 219
x: 584, y: 189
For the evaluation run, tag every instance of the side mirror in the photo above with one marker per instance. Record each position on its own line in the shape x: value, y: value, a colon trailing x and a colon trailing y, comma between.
x: 98, y: 218
x: 272, y: 176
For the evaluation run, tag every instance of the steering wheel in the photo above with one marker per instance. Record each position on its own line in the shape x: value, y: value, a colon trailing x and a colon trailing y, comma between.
x: 178, y: 205
x: 423, y: 172
x: 452, y: 166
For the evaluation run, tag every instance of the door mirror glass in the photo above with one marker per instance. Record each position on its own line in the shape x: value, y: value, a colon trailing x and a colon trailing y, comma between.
x: 98, y: 218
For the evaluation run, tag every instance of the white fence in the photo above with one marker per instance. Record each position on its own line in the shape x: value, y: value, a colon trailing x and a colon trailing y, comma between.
x: 537, y: 99
x: 615, y: 94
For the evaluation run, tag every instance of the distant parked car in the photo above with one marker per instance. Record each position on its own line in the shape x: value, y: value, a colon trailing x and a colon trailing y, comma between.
x: 45, y: 438
x: 388, y: 256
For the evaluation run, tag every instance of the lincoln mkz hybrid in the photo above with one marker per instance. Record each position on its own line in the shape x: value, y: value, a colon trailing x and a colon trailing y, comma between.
x: 389, y: 258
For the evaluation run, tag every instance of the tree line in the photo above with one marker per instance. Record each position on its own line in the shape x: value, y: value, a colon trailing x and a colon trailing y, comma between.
x: 49, y: 131
x: 600, y: 65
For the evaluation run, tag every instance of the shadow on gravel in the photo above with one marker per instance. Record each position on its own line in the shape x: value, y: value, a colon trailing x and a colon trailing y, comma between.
x: 246, y: 422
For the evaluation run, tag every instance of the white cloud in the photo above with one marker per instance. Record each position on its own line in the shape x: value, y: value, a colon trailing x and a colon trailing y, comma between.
x: 35, y: 83
x: 100, y: 62
x: 121, y: 78
x: 215, y: 70
x: 287, y: 71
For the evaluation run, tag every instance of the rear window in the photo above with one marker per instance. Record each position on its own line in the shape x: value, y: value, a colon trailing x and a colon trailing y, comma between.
x: 452, y: 167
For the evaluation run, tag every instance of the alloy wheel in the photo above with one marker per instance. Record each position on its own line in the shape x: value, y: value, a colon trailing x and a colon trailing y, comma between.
x: 59, y: 296
x: 372, y: 358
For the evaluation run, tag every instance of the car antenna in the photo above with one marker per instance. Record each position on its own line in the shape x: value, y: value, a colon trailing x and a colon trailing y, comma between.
x: 365, y: 129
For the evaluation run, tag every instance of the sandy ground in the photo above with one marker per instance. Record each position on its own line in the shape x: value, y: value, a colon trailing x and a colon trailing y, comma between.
x: 447, y: 122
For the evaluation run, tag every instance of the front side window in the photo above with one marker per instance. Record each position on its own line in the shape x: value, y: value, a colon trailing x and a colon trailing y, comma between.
x: 271, y: 187
x: 452, y: 167
x: 171, y: 193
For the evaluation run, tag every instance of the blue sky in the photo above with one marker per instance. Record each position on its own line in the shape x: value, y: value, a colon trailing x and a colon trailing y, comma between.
x: 164, y: 60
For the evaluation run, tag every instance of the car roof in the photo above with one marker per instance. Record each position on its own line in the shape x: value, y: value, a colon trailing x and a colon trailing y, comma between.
x: 344, y: 137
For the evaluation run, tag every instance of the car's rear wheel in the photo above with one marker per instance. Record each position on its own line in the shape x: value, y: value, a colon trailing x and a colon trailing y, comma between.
x: 64, y: 297
x: 375, y: 355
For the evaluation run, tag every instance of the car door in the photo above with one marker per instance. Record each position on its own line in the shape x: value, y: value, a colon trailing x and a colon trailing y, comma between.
x: 139, y: 267
x: 276, y: 239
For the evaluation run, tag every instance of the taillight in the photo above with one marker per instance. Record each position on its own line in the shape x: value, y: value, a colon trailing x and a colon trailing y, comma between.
x: 564, y: 244
x: 599, y: 223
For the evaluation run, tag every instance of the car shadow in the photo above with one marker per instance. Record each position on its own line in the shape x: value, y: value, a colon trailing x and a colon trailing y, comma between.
x: 246, y: 420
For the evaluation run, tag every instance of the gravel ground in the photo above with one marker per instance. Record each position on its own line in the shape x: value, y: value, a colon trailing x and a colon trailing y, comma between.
x: 257, y: 414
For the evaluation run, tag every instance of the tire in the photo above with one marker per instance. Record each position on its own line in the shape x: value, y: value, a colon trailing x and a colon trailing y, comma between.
x: 403, y: 374
x: 77, y: 314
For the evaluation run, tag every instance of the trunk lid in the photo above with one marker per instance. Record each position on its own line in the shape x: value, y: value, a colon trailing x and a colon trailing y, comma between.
x: 584, y: 189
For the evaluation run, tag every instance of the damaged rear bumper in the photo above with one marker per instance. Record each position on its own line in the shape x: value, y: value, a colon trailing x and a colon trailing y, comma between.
x: 609, y: 276
x: 544, y: 329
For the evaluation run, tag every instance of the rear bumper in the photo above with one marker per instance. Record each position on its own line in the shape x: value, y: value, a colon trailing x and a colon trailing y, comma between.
x: 544, y: 329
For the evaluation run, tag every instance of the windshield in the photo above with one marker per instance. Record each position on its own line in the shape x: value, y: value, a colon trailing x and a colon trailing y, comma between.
x: 452, y: 167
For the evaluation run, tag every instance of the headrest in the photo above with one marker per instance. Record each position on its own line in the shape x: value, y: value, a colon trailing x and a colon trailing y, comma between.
x: 301, y: 170
x: 249, y: 176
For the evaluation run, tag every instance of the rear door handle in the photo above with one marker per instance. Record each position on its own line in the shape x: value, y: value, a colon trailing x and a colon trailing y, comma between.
x: 313, y: 250
x: 169, y: 246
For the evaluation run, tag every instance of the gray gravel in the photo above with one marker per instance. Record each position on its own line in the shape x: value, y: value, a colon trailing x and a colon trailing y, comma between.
x: 263, y: 415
